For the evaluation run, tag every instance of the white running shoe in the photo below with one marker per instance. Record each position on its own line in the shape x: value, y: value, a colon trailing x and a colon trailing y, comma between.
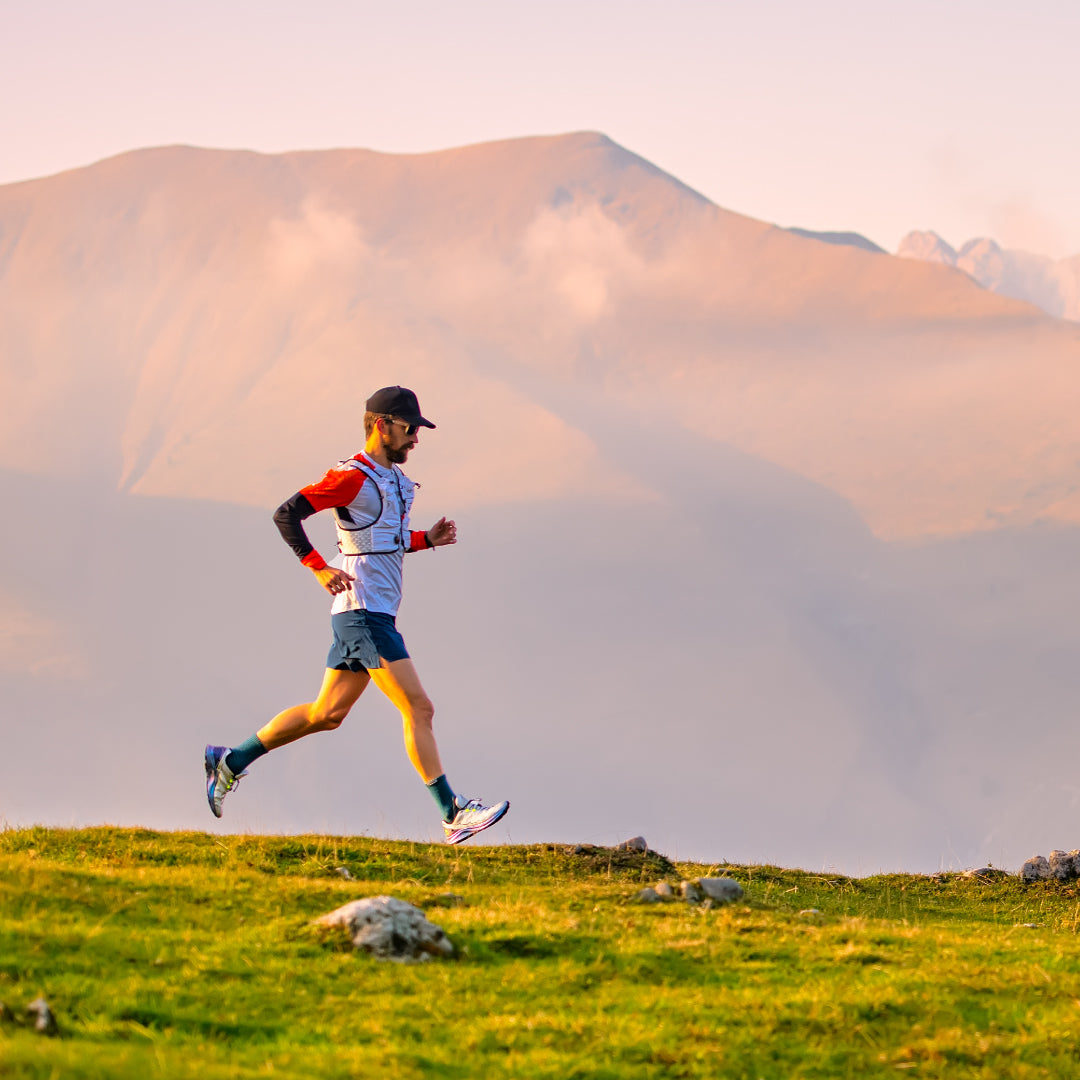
x: 472, y: 817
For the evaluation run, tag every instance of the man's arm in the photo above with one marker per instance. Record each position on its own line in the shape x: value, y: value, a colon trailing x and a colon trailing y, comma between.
x: 338, y: 487
x: 289, y: 518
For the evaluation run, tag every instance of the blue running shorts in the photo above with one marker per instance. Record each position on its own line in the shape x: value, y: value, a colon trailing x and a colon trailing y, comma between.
x: 362, y: 639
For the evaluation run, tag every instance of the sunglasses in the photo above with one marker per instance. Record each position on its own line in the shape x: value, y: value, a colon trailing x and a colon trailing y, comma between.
x: 410, y: 429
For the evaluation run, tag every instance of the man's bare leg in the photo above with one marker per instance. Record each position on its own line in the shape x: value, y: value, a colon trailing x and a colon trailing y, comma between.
x: 462, y: 818
x: 398, y: 680
x: 225, y: 766
x: 339, y: 693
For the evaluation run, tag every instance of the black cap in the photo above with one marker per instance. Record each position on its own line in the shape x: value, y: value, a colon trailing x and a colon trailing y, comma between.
x: 397, y: 401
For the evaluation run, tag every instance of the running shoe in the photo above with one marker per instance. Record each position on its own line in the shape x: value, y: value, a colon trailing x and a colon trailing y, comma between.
x: 219, y: 777
x: 472, y: 817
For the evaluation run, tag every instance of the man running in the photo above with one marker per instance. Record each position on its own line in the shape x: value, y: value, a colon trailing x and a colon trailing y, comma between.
x: 370, y: 498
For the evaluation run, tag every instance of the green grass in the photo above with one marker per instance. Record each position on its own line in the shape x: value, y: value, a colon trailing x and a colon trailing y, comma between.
x: 188, y: 955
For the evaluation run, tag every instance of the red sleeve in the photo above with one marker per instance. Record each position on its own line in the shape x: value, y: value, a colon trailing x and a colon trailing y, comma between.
x: 418, y: 540
x: 337, y: 488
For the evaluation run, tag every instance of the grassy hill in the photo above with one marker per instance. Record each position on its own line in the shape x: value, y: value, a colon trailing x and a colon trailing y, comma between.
x: 189, y: 955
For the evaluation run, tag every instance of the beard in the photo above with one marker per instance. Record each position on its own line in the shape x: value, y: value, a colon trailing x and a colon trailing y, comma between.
x: 399, y: 456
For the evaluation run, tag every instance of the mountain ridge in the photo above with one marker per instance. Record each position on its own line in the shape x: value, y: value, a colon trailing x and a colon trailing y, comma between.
x: 188, y: 293
x: 731, y: 501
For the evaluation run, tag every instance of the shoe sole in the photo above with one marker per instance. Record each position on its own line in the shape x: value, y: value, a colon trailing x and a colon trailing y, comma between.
x: 459, y: 836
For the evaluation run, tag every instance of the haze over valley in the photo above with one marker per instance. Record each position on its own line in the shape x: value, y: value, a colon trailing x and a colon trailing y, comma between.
x: 768, y: 544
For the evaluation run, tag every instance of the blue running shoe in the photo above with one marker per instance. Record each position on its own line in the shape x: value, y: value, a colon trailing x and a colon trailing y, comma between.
x: 219, y: 777
x: 472, y: 817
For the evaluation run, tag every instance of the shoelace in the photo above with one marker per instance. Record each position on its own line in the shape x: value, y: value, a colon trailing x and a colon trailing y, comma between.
x: 234, y: 782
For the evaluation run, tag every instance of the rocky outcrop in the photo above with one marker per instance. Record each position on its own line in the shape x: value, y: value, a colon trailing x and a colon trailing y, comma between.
x: 706, y: 890
x: 390, y: 929
x: 1064, y: 865
x: 1061, y: 866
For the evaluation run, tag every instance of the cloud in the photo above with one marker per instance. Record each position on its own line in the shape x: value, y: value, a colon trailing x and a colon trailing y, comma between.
x: 973, y: 197
x: 1019, y: 224
x: 582, y: 256
x: 319, y: 240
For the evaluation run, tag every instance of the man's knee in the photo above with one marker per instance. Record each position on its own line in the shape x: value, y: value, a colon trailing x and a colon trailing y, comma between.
x: 326, y: 717
x: 421, y: 712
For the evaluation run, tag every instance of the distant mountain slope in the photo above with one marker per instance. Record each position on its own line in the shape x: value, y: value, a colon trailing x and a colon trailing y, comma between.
x: 182, y: 321
x: 851, y: 239
x: 1051, y: 284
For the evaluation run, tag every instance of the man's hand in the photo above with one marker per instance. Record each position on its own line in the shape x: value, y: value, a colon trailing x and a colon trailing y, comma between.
x: 441, y: 533
x: 333, y: 580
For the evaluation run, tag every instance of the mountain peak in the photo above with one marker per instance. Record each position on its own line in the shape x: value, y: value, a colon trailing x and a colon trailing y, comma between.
x: 927, y: 246
x: 980, y: 247
x: 1052, y: 286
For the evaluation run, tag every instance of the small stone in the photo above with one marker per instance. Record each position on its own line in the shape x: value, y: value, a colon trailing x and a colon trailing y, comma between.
x: 390, y: 929
x: 810, y: 911
x: 44, y: 1020
x: 691, y: 892
x: 1028, y: 925
x: 722, y: 889
x: 1035, y: 869
x: 448, y: 899
x: 635, y: 843
x: 648, y: 896
x: 664, y: 890
x: 343, y: 872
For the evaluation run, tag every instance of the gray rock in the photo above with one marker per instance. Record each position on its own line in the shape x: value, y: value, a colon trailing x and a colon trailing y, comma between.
x: 648, y: 896
x: 447, y: 899
x: 635, y: 843
x: 1035, y: 869
x: 44, y: 1019
x: 722, y: 889
x: 390, y: 929
x: 691, y: 892
x: 343, y: 872
x: 664, y: 890
x: 1062, y: 865
x: 984, y: 873
x: 810, y: 911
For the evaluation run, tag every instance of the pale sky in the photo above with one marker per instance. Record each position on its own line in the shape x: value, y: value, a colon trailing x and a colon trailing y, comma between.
x: 877, y: 116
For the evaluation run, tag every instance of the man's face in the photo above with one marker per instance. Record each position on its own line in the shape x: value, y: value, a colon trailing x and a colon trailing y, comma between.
x: 397, y: 440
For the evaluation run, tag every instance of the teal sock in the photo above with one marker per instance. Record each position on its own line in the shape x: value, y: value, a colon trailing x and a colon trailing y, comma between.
x: 443, y: 795
x: 240, y: 757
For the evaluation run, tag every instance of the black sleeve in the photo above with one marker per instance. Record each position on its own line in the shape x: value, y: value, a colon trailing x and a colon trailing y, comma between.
x: 288, y: 518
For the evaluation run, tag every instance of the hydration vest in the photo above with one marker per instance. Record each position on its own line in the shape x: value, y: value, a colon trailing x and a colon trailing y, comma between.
x: 387, y: 532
